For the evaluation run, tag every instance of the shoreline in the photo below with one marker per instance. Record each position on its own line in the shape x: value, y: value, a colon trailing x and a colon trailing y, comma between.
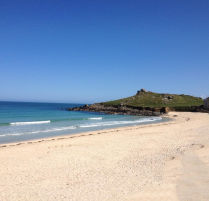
x: 162, y: 161
x: 86, y: 133
x: 83, y: 132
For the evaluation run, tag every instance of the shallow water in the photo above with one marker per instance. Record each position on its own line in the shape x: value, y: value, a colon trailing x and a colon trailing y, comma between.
x: 20, y: 121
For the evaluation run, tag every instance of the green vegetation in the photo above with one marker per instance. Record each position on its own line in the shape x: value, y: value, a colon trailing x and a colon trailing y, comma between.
x: 151, y: 99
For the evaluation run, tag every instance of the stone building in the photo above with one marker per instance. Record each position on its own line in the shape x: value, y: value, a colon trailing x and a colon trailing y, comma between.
x: 142, y: 90
x: 206, y: 103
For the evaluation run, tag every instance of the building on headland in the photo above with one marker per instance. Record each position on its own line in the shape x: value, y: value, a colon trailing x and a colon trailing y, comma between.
x: 142, y: 90
x: 206, y: 103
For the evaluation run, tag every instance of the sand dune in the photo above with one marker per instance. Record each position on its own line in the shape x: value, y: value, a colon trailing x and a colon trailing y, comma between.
x: 167, y: 161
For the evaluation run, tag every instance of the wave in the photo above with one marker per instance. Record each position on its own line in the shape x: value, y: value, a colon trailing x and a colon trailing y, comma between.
x: 68, y: 119
x: 112, y: 123
x: 42, y: 131
x: 95, y: 118
x: 52, y: 120
x: 76, y: 119
x: 30, y: 122
x: 77, y: 126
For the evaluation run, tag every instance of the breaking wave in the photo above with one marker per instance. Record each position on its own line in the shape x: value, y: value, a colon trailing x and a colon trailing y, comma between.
x: 40, y: 131
x: 112, y: 123
x: 95, y: 118
x: 30, y: 122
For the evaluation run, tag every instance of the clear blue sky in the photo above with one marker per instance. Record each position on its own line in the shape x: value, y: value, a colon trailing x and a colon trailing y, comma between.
x: 89, y: 51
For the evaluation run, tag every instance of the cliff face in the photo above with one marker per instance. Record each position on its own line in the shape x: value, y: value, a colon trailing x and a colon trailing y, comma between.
x: 123, y: 110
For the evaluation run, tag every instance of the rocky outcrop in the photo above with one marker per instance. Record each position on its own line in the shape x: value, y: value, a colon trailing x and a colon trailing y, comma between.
x: 122, y: 110
x: 199, y: 109
x: 136, y: 111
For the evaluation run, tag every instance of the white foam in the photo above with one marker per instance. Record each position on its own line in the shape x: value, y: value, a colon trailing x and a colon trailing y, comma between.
x: 15, y: 134
x: 50, y: 130
x: 88, y: 125
x: 112, y: 123
x: 95, y: 124
x: 30, y: 122
x: 59, y: 129
x: 95, y: 118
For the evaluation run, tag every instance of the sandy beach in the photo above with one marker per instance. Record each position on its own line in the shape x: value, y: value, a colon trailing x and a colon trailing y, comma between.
x: 166, y: 161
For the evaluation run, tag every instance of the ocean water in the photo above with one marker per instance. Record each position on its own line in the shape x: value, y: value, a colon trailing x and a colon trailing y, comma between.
x: 20, y: 121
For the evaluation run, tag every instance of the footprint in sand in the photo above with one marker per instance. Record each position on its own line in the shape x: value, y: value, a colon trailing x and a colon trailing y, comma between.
x: 198, y: 146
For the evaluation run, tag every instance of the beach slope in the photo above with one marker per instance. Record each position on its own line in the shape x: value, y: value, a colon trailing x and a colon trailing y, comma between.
x: 166, y: 161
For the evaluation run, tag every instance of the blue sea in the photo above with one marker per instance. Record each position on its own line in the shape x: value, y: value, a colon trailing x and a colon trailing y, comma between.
x: 21, y: 121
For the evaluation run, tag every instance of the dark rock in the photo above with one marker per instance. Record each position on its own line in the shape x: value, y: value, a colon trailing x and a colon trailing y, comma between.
x: 164, y: 110
x: 121, y: 110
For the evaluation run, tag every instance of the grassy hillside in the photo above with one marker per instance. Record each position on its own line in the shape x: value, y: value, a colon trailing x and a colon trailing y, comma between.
x: 151, y: 99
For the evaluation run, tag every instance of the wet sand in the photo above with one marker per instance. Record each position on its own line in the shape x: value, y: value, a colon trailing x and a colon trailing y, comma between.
x: 165, y: 161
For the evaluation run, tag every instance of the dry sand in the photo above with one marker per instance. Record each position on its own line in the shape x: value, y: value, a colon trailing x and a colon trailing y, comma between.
x: 167, y: 161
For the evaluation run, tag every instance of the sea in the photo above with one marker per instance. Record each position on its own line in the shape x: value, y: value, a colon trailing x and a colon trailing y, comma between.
x: 24, y: 121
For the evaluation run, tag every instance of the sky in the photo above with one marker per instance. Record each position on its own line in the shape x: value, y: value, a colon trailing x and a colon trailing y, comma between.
x: 86, y: 51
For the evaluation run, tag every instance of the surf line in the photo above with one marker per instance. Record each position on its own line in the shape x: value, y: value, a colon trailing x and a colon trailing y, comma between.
x: 30, y: 122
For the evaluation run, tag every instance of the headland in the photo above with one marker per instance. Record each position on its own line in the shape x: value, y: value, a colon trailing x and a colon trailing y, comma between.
x: 147, y: 103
